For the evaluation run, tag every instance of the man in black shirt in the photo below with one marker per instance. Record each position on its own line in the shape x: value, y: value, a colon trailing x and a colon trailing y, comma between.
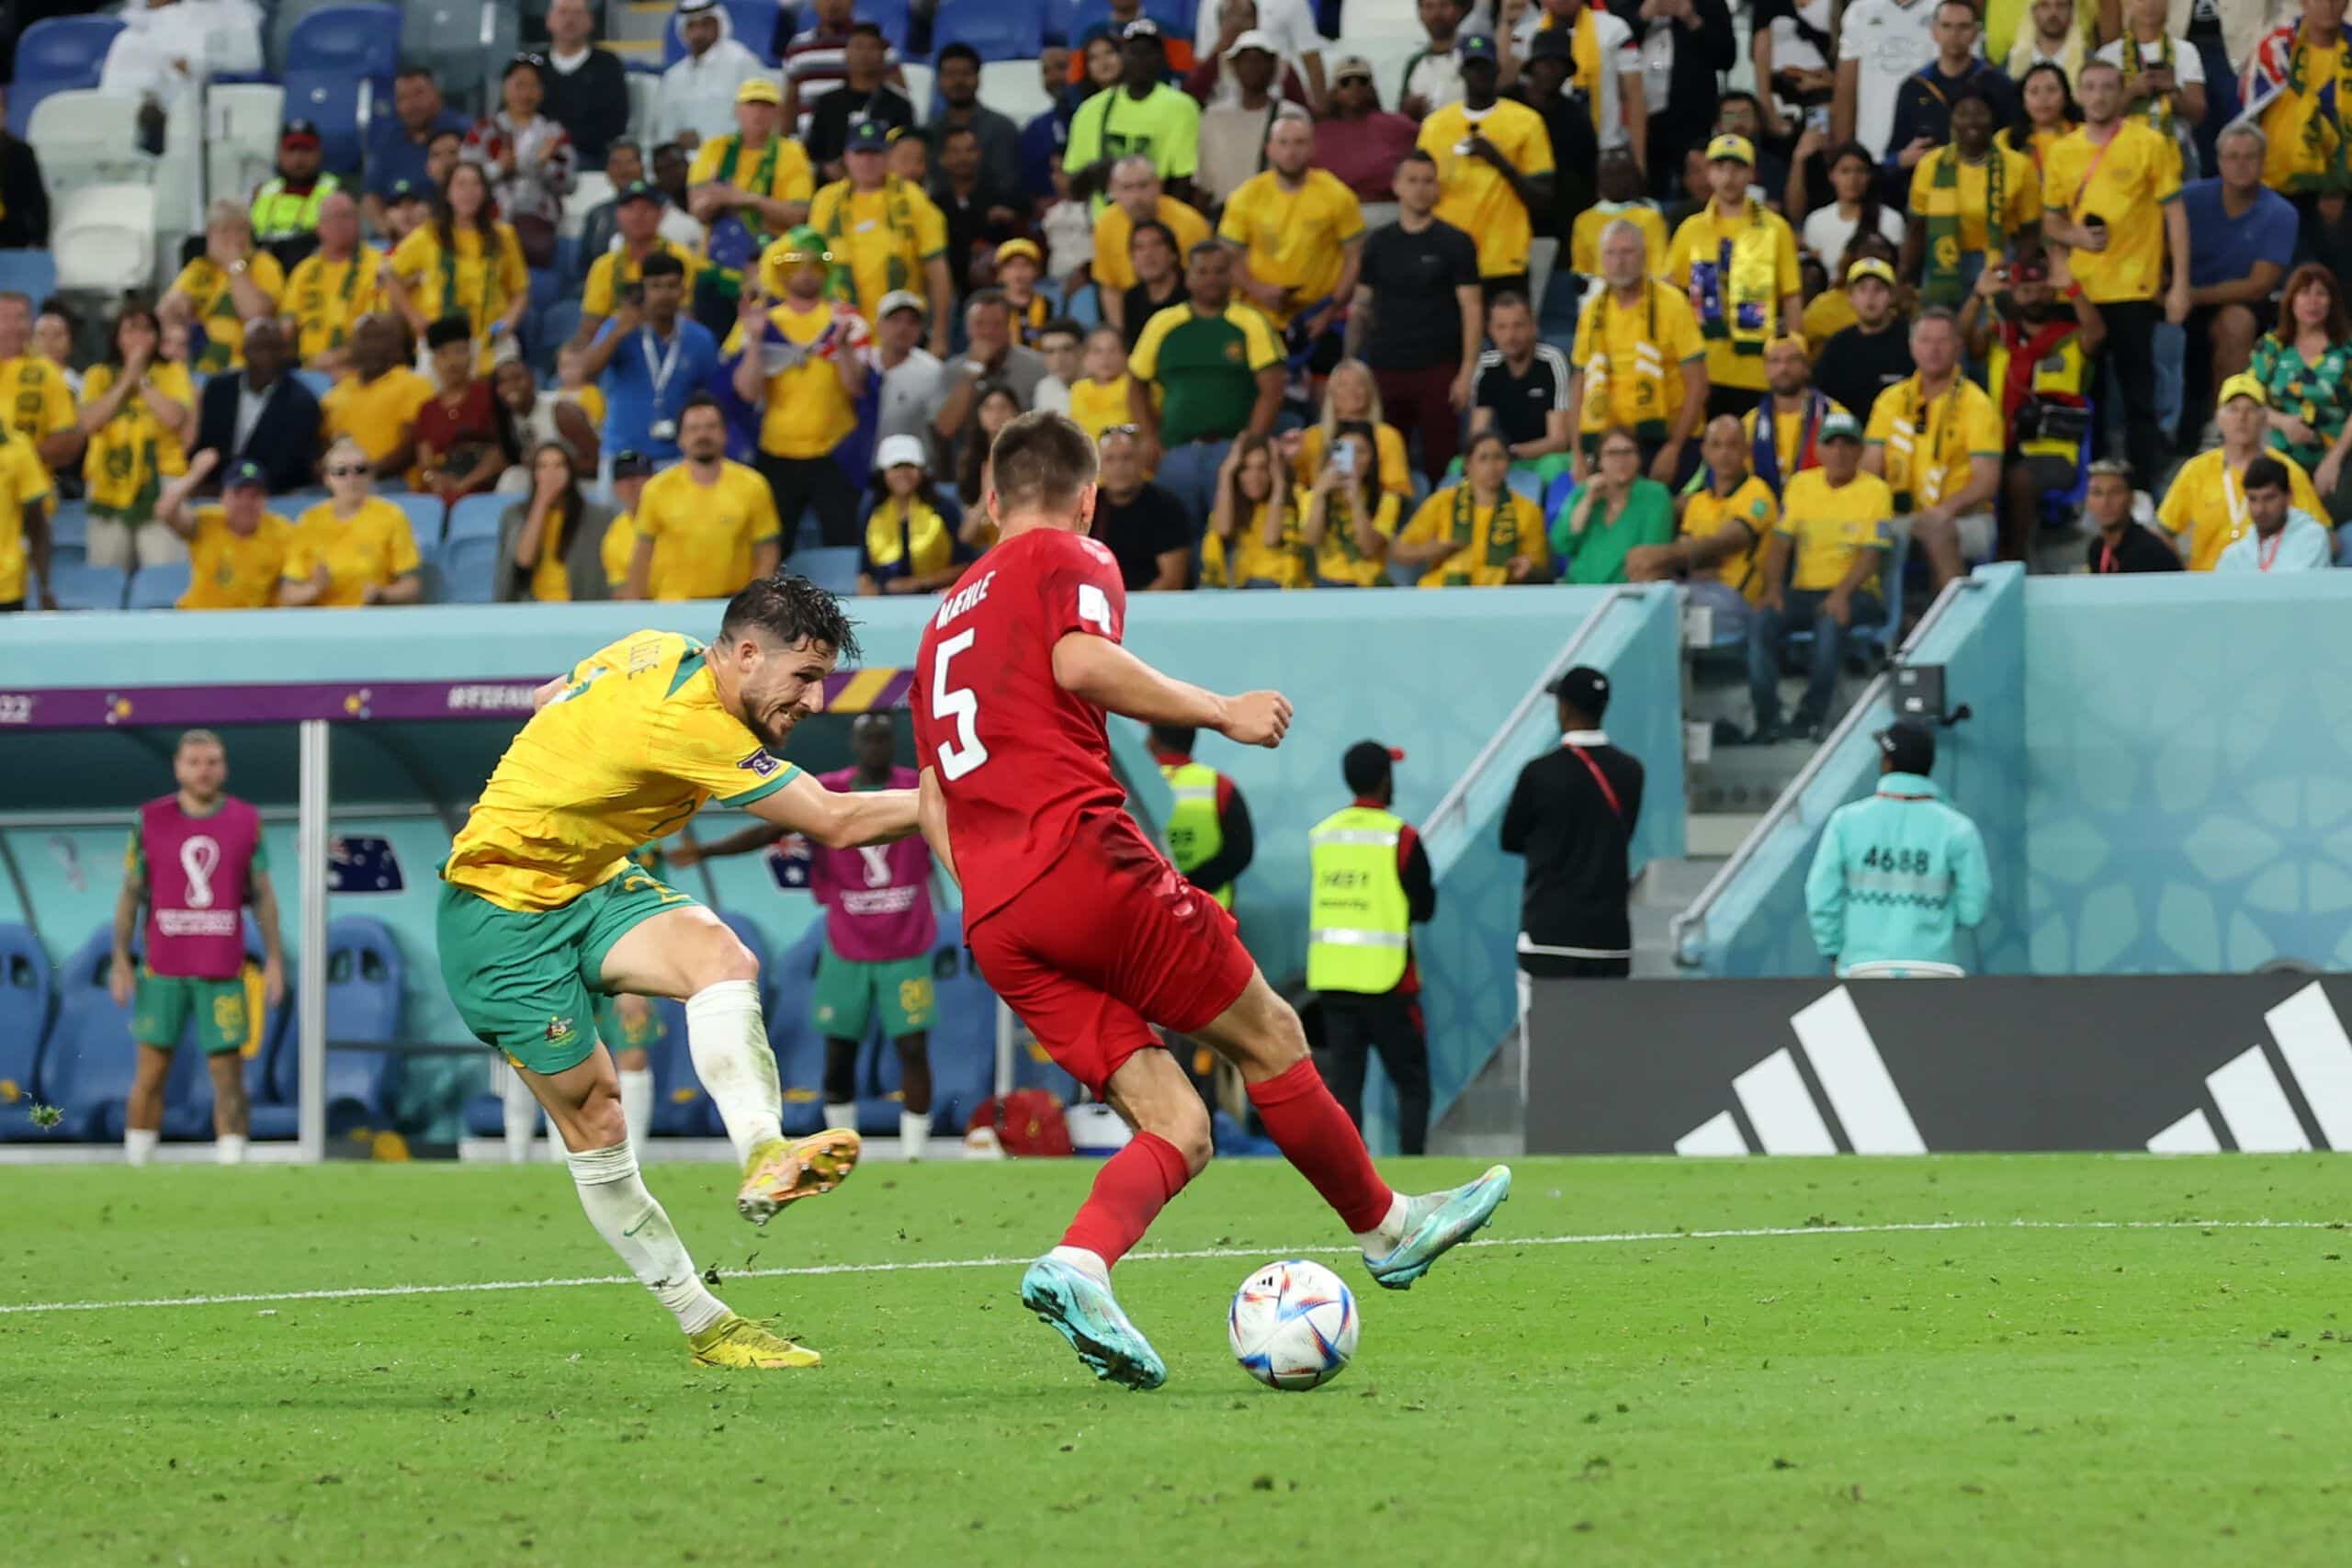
x: 1572, y: 815
x: 2120, y: 545
x: 1144, y: 526
x: 587, y: 86
x: 867, y: 95
x: 1872, y: 355
x: 1523, y: 391
x: 1159, y: 280
x: 1545, y: 86
x: 980, y: 213
x: 1420, y: 315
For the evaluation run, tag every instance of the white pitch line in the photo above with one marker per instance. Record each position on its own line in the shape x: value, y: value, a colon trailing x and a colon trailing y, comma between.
x: 917, y: 1266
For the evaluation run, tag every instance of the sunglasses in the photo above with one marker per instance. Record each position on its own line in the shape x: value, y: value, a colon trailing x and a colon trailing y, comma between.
x: 347, y: 471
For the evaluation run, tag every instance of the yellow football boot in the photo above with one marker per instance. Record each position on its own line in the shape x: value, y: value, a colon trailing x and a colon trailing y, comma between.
x: 778, y: 1172
x: 737, y: 1341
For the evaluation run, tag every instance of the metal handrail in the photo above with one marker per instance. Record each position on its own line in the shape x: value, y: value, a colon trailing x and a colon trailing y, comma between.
x: 1863, y: 705
x: 1456, y: 799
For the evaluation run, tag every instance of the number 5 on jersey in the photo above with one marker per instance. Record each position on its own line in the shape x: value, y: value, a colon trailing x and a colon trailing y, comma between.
x: 965, y: 752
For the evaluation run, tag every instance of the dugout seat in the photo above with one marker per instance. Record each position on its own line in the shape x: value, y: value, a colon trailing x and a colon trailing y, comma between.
x: 365, y: 975
x: 799, y: 1049
x: 26, y: 1000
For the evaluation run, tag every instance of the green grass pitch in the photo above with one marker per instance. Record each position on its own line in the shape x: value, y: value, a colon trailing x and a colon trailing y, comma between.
x: 2109, y: 1382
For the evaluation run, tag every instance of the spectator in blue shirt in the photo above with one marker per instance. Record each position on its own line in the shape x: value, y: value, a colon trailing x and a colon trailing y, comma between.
x: 1923, y: 102
x: 1048, y: 133
x: 650, y: 358
x: 398, y: 142
x: 2241, y: 242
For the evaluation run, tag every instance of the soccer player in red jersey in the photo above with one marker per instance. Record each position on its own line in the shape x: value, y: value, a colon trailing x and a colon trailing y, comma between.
x: 1083, y: 925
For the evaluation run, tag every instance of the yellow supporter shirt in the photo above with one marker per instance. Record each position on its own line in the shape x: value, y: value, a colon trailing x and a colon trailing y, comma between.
x: 131, y: 455
x: 2206, y: 505
x: 1113, y: 270
x: 377, y: 413
x: 1632, y: 357
x: 1485, y: 538
x: 1249, y: 560
x: 1096, y: 406
x: 479, y: 284
x: 1584, y: 235
x: 373, y: 546
x: 1786, y: 436
x: 41, y: 403
x: 884, y: 236
x: 1388, y: 444
x: 783, y: 161
x: 228, y: 570
x: 215, y: 308
x: 1472, y: 196
x: 1736, y: 358
x: 327, y: 298
x: 704, y: 534
x: 1295, y: 238
x: 550, y: 583
x: 2127, y: 182
x: 1928, y: 445
x: 2293, y: 164
x: 1336, y: 559
x: 807, y: 411
x: 23, y: 482
x: 618, y: 550
x: 629, y: 751
x: 1965, y: 199
x: 1749, y: 505
x: 1826, y: 524
x: 615, y: 270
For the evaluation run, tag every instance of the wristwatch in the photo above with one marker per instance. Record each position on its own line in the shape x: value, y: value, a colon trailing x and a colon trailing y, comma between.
x: 237, y: 268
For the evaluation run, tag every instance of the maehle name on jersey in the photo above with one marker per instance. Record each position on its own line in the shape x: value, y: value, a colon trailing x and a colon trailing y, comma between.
x: 963, y: 601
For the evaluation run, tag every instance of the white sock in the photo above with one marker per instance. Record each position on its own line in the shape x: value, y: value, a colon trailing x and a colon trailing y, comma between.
x: 229, y: 1149
x: 1382, y: 1241
x: 914, y: 1131
x: 729, y: 1043
x: 637, y: 1104
x: 635, y: 1225
x: 138, y: 1144
x: 1085, y: 1262
x: 842, y: 1116
x: 522, y: 1118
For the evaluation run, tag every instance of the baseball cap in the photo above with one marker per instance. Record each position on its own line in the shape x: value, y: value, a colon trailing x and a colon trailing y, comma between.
x: 900, y: 452
x: 1838, y: 426
x: 759, y: 90
x: 1778, y: 339
x: 1259, y: 40
x: 903, y: 299
x: 1584, y: 688
x: 1736, y: 148
x: 2243, y: 386
x: 869, y: 136
x: 1366, y: 764
x: 804, y: 244
x: 298, y: 133
x: 1143, y: 27
x: 632, y: 466
x: 1011, y: 248
x: 1474, y: 46
x: 246, y: 472
x: 1871, y: 266
x: 1909, y: 745
x: 1553, y: 43
x: 405, y: 190
x: 637, y: 190
x: 1349, y: 67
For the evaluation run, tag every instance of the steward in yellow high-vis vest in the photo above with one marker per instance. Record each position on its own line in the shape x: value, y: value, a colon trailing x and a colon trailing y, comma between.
x: 1208, y: 830
x: 1372, y: 883
x: 287, y: 207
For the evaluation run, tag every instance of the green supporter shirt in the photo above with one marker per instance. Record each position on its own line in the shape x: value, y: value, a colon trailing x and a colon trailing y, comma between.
x: 1206, y: 368
x: 1164, y: 126
x: 1598, y: 554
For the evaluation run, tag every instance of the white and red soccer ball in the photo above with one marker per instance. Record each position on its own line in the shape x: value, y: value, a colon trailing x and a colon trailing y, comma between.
x: 1292, y: 1326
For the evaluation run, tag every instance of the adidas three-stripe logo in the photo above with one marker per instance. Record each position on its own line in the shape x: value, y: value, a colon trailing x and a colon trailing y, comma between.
x: 2252, y: 1103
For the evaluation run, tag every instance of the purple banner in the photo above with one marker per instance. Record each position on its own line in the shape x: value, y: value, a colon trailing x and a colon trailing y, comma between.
x: 96, y: 708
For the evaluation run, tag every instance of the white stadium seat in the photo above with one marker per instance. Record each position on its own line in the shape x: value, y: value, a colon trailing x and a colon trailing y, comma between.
x: 589, y: 191
x: 85, y: 138
x: 918, y: 81
x: 1013, y: 88
x: 104, y: 237
x: 241, y: 125
x: 644, y: 86
x: 1363, y: 19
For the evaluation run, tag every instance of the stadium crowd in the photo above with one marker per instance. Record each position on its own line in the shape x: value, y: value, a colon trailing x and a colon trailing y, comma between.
x: 2061, y: 283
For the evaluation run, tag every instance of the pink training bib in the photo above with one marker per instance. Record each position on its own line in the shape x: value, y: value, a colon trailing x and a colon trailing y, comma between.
x: 876, y: 898
x: 199, y: 877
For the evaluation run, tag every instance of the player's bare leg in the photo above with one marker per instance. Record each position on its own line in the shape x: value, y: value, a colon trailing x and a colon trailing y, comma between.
x: 584, y: 1106
x: 143, y: 1112
x: 689, y: 953
x: 232, y: 1111
x: 1400, y: 1236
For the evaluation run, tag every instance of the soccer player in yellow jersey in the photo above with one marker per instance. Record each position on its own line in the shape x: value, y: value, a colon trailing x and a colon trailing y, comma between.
x: 542, y: 910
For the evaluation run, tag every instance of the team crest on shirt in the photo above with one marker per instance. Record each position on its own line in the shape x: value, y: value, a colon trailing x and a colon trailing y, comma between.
x: 559, y: 1029
x: 760, y: 763
x: 1233, y: 352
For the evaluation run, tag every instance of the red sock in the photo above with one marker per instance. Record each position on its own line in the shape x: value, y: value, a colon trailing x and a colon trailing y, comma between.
x: 1316, y: 1137
x: 1129, y: 1191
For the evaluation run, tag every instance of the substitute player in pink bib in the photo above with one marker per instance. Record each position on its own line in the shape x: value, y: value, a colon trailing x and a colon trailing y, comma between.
x: 195, y: 861
x: 1082, y: 924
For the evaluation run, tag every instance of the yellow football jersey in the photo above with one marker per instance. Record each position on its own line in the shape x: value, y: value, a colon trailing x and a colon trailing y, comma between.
x: 629, y: 751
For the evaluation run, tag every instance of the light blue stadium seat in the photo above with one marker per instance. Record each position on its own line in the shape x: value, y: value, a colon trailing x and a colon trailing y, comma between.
x: 87, y: 587
x: 86, y: 1068
x: 365, y: 975
x: 331, y: 101
x: 999, y: 30
x: 69, y: 523
x: 319, y: 382
x: 334, y: 55
x: 57, y: 54
x: 753, y: 23
x: 557, y: 324
x: 476, y: 514
x: 1066, y: 21
x: 32, y: 274
x: 799, y: 1049
x: 468, y: 569
x: 158, y: 587
x: 427, y: 516
x: 832, y: 567
x: 28, y: 999
x: 892, y: 16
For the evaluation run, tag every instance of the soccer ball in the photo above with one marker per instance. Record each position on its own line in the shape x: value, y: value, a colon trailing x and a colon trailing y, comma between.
x: 1292, y: 1326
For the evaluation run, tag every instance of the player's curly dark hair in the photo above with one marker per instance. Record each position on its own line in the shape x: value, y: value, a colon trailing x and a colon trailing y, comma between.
x: 786, y: 607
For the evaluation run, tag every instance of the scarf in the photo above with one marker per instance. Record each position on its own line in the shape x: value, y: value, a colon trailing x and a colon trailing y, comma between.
x: 898, y: 217
x: 1764, y: 453
x: 1734, y: 294
x: 2313, y: 131
x: 1941, y: 283
x: 907, y: 538
x: 737, y: 238
x: 2157, y: 106
x: 2027, y: 347
x: 1912, y: 445
x: 1503, y: 525
x: 1648, y: 369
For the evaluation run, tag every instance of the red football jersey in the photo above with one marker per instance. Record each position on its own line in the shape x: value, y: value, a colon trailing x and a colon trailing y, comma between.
x: 1024, y: 766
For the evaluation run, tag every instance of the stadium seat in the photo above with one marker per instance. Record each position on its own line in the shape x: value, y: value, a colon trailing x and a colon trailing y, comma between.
x: 555, y: 327
x: 158, y: 587
x: 462, y: 41
x: 32, y: 274
x: 590, y: 191
x: 103, y: 238
x: 85, y: 137
x: 830, y: 567
x: 340, y: 61
x: 1361, y: 19
x: 87, y: 587
x: 799, y: 1049
x: 1013, y: 88
x: 56, y: 55
x: 361, y: 40
x: 999, y: 31
x: 753, y: 24
x: 919, y: 82
x: 86, y: 1066
x: 1067, y: 21
x: 317, y: 382
x: 27, y: 999
x: 365, y: 976
x: 241, y: 125
x: 70, y: 523
x: 644, y: 87
x: 476, y: 514
x: 468, y: 569
x: 426, y: 516
x: 894, y: 17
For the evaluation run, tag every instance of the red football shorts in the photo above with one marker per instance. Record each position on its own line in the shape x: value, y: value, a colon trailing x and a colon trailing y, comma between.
x: 1109, y: 941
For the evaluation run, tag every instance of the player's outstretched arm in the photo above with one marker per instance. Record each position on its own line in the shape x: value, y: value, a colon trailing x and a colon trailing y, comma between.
x: 839, y: 820
x: 1103, y: 673
x: 931, y: 813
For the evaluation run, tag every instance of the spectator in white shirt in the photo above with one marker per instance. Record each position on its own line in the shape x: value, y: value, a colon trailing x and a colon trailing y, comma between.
x: 914, y: 382
x: 169, y: 47
x: 1289, y: 24
x: 1433, y: 77
x: 697, y: 94
x: 1624, y: 117
x: 1879, y: 42
x: 2284, y: 536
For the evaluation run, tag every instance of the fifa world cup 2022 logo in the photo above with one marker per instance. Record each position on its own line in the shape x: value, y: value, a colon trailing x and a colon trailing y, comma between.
x: 198, y: 856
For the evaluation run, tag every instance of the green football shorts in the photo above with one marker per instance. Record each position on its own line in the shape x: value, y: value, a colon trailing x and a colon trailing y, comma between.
x: 228, y: 1012
x: 849, y: 995
x: 526, y: 982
